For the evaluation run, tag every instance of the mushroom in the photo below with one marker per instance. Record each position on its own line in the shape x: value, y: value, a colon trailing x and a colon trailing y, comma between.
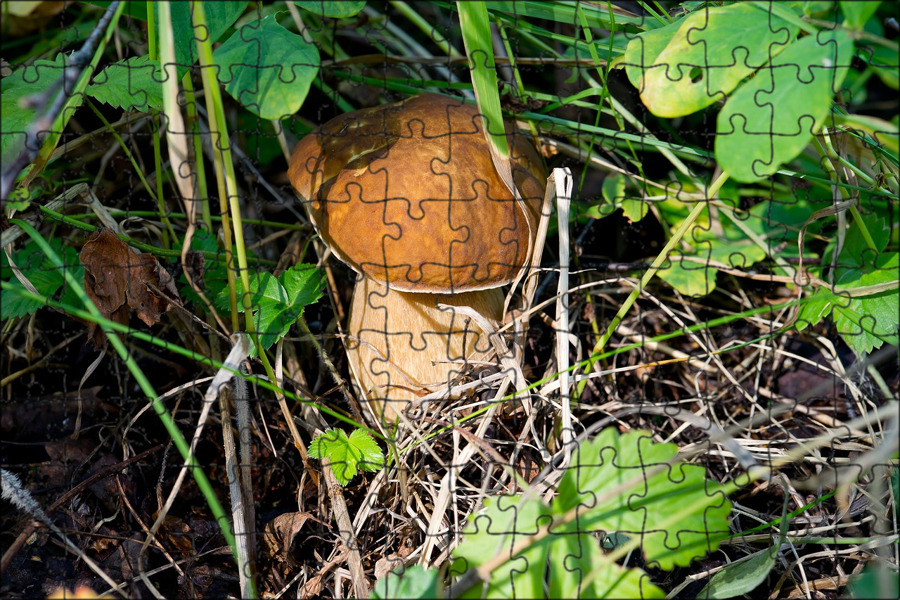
x: 407, y: 195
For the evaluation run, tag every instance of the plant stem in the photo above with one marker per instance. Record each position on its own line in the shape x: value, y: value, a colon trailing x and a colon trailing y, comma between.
x: 228, y: 186
x: 225, y: 177
x: 190, y: 103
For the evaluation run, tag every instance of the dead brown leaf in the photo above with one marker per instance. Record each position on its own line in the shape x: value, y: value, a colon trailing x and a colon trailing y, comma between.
x: 282, y: 534
x: 119, y: 279
x: 386, y: 564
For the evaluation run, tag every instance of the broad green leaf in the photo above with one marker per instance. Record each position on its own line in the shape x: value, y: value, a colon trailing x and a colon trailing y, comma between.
x: 346, y: 455
x: 676, y: 512
x: 855, y: 253
x: 336, y: 10
x: 615, y: 484
x: 689, y: 278
x: 371, y: 457
x: 43, y: 275
x: 303, y: 284
x: 15, y: 90
x: 771, y: 119
x: 614, y: 198
x: 712, y: 52
x: 778, y: 222
x: 856, y: 13
x: 411, y: 583
x: 814, y: 308
x: 817, y: 8
x: 613, y: 188
x: 272, y: 322
x: 219, y: 17
x: 738, y: 253
x: 131, y: 84
x: 641, y: 52
x: 333, y: 446
x: 634, y: 209
x: 865, y: 322
x: 885, y: 62
x: 578, y: 569
x: 275, y: 307
x: 267, y: 68
x: 495, y: 530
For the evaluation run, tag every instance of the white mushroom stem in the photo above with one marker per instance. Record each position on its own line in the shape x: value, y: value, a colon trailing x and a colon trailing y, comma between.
x: 401, y: 346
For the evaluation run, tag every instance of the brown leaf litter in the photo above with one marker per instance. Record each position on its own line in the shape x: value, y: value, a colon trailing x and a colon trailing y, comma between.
x: 119, y: 280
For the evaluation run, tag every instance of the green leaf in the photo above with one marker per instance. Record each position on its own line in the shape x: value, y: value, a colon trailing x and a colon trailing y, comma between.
x: 740, y: 577
x: 346, y: 455
x: 711, y: 53
x: 577, y: 566
x: 634, y: 209
x: 856, y: 13
x: 219, y: 17
x: 676, y: 512
x: 772, y: 118
x: 504, y: 521
x: 641, y: 52
x: 814, y: 308
x: 371, y: 458
x: 303, y: 284
x: 614, y: 198
x: 131, y: 84
x: 578, y: 569
x: 41, y: 272
x: 885, y: 62
x: 267, y: 68
x: 864, y: 322
x: 612, y: 486
x: 412, y: 582
x: 688, y: 277
x: 278, y: 303
x: 15, y: 90
x: 745, y: 575
x: 613, y: 188
x: 276, y: 311
x: 335, y: 10
x: 867, y: 322
x: 856, y: 251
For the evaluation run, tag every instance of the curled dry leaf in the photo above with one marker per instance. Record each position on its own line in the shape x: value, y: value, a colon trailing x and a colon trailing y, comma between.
x: 119, y: 279
x: 281, y: 537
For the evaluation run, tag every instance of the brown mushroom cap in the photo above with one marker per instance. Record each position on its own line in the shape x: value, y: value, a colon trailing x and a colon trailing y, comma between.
x: 407, y: 194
